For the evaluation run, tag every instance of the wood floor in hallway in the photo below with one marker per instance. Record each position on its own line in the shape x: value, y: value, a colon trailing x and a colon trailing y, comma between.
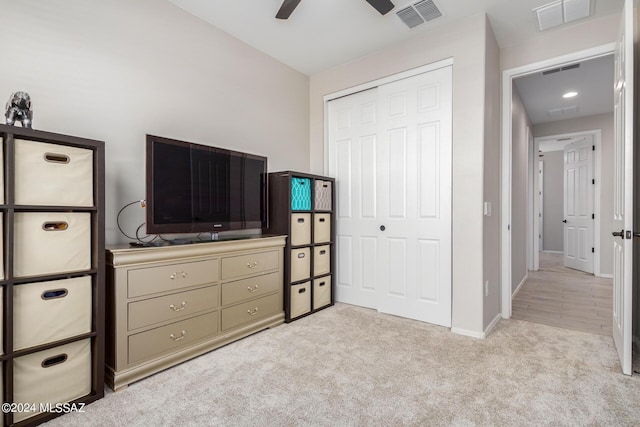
x: 570, y: 299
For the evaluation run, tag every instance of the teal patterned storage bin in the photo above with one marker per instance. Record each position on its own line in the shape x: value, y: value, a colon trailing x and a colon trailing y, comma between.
x: 300, y: 194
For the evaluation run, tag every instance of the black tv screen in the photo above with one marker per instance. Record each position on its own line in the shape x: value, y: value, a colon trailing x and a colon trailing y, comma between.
x: 193, y: 188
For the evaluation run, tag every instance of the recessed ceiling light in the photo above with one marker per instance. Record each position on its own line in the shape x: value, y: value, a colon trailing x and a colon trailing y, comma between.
x: 570, y: 94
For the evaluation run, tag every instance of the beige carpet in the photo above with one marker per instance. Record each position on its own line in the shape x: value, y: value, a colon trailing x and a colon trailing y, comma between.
x: 349, y: 366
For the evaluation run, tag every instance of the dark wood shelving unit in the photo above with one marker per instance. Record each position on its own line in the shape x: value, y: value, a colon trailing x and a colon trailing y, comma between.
x: 67, y: 282
x: 304, y: 294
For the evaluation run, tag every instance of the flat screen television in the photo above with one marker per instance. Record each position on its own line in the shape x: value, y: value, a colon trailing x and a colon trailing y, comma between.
x: 194, y: 188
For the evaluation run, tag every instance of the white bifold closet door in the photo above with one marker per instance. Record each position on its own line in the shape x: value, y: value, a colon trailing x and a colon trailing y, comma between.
x: 390, y: 152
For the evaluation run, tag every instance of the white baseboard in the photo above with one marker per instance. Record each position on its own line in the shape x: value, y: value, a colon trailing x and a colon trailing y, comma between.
x: 605, y: 275
x: 553, y: 252
x: 492, y: 325
x: 468, y: 333
x: 513, y: 295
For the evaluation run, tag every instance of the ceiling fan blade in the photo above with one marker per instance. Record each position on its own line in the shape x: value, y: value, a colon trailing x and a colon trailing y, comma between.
x: 287, y: 8
x: 382, y: 6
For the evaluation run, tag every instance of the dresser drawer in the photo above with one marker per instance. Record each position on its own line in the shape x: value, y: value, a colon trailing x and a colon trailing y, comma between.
x: 51, y: 242
x: 243, y: 265
x: 171, y: 337
x: 251, y: 311
x: 241, y: 290
x: 44, y: 312
x: 60, y: 374
x: 52, y: 174
x: 169, y: 307
x: 152, y: 280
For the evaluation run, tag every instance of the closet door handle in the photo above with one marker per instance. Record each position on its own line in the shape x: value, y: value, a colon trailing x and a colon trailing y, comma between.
x: 618, y: 234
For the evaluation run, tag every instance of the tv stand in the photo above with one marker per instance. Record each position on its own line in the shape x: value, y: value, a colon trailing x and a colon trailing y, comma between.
x: 168, y: 304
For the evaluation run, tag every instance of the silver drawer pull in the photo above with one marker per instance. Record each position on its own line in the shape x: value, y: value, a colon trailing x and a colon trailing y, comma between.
x: 253, y: 312
x: 182, y: 274
x: 253, y: 264
x: 175, y: 338
x: 252, y: 289
x: 182, y: 306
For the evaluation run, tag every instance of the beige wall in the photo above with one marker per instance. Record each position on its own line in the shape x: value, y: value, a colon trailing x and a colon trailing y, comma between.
x: 561, y: 41
x: 519, y: 161
x: 604, y: 122
x: 464, y: 42
x: 119, y: 69
x: 491, y: 224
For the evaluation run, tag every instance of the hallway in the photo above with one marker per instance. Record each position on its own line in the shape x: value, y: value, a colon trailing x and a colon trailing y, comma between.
x: 565, y: 298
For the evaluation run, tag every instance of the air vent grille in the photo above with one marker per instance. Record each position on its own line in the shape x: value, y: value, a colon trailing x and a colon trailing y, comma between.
x: 419, y: 13
x: 428, y: 10
x: 410, y: 17
x: 557, y: 70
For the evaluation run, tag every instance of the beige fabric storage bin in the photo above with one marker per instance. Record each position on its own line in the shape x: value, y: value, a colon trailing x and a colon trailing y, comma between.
x: 1, y: 246
x: 321, y: 260
x: 52, y: 174
x: 2, y: 171
x: 321, y: 292
x: 321, y: 228
x: 60, y: 374
x: 1, y: 330
x: 322, y: 200
x: 300, y: 229
x: 44, y: 312
x: 48, y: 242
x: 300, y: 264
x: 300, y: 299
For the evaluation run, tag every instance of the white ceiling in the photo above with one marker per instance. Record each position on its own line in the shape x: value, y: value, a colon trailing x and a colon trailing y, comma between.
x: 593, y: 81
x: 321, y: 34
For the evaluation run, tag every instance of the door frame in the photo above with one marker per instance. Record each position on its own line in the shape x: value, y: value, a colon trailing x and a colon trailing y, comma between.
x: 597, y: 175
x: 505, y: 211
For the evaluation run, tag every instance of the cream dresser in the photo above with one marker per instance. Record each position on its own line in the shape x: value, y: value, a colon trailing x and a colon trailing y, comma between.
x: 169, y: 304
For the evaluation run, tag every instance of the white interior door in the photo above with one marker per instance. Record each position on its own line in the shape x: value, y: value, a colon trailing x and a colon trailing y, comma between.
x: 578, y: 204
x: 353, y: 136
x: 415, y: 197
x: 623, y: 190
x: 390, y: 152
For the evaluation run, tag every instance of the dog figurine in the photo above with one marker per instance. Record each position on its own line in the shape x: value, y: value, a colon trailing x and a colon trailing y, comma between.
x: 19, y: 109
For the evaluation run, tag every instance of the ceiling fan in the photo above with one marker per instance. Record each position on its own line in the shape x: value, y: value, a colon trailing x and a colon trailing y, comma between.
x: 288, y: 6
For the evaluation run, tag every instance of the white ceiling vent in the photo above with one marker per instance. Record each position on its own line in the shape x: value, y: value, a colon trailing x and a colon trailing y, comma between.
x: 561, y: 12
x: 562, y: 112
x: 419, y: 13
